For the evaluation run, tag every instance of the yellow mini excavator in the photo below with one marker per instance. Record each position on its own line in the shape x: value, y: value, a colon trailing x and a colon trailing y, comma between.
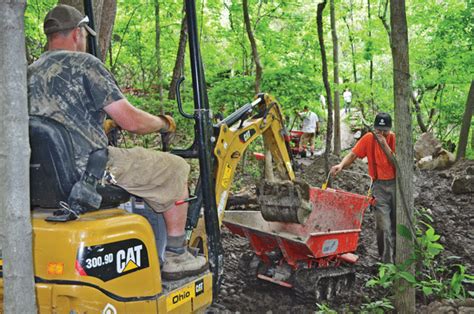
x: 91, y: 256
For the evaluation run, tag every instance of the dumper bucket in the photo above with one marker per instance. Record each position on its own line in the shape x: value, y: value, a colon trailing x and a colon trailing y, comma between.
x: 331, y: 229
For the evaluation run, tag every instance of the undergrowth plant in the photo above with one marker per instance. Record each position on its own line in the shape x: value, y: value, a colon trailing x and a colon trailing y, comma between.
x: 377, y: 307
x: 431, y: 278
x: 323, y: 308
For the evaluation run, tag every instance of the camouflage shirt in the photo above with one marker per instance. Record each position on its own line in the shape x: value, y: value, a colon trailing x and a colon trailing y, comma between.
x: 73, y: 88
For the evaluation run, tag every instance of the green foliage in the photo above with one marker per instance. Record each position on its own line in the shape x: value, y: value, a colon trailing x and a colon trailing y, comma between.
x: 404, y: 231
x: 377, y: 307
x: 249, y: 168
x: 430, y: 248
x: 440, y: 48
x: 34, y: 15
x: 430, y: 278
x: 324, y: 309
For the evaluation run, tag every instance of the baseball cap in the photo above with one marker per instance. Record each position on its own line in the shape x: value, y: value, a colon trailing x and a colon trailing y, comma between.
x: 383, y: 121
x: 63, y: 17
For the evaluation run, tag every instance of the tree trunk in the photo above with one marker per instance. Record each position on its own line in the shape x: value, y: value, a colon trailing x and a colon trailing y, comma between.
x: 319, y: 22
x: 253, y: 44
x: 122, y: 37
x: 419, y: 117
x: 472, y: 139
x: 404, y: 294
x: 179, y: 64
x: 351, y: 40
x: 159, y: 70
x: 383, y: 5
x: 337, y: 111
x: 107, y: 21
x: 371, y: 59
x: 240, y: 38
x: 15, y: 219
x: 466, y: 124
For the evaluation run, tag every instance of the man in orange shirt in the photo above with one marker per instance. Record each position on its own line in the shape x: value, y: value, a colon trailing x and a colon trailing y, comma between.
x: 383, y: 175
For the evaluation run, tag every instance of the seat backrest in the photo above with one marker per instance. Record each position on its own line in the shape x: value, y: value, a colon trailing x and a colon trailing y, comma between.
x: 52, y: 167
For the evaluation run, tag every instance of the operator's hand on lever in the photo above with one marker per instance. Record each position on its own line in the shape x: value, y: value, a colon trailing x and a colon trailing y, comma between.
x: 109, y: 125
x: 167, y: 130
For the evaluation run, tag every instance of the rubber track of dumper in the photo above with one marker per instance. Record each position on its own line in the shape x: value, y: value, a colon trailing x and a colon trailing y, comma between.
x: 311, y: 285
x: 248, y: 267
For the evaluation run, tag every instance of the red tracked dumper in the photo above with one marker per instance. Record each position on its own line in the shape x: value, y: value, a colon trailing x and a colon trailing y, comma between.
x: 302, y: 238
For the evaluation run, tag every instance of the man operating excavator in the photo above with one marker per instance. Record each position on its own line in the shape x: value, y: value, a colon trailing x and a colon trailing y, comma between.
x: 75, y: 89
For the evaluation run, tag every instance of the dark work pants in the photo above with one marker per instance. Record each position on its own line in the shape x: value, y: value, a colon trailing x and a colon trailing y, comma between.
x: 384, y: 193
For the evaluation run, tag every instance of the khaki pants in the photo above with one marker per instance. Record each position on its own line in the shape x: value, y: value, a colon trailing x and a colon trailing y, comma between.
x: 307, y: 139
x: 384, y: 193
x: 159, y: 178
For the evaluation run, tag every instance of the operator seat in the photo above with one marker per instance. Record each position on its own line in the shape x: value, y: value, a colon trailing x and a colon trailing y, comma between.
x: 52, y: 168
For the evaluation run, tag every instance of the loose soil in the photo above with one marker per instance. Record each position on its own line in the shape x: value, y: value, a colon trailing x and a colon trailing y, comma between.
x: 453, y: 217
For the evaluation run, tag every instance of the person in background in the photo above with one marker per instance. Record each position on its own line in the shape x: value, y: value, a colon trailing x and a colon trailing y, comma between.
x: 383, y: 175
x: 322, y: 99
x: 347, y: 95
x: 310, y: 128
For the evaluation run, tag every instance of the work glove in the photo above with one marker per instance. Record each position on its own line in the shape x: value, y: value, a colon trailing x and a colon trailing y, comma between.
x: 109, y: 125
x: 170, y: 124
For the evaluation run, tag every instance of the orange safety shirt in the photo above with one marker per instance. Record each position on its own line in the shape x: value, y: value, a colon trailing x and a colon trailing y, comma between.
x: 380, y: 168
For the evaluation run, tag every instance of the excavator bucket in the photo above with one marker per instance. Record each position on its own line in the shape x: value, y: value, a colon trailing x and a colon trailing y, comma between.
x: 331, y: 228
x: 284, y: 201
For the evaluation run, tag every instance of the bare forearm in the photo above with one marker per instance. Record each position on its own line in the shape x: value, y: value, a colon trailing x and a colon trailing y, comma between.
x: 146, y: 123
x: 348, y: 160
x: 133, y: 119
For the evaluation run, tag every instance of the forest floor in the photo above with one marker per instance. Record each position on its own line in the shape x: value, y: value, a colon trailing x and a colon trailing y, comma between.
x: 453, y: 219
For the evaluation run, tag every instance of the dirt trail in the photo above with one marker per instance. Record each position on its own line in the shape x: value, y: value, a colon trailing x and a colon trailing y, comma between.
x: 347, y: 138
x: 453, y: 217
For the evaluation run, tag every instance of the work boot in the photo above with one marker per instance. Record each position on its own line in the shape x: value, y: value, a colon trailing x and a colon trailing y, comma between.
x: 180, y: 265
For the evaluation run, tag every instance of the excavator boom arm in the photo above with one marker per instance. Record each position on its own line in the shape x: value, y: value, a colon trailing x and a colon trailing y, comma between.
x: 233, y: 140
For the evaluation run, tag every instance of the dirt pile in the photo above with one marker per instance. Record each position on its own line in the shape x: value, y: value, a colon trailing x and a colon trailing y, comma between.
x: 453, y: 214
x: 353, y: 179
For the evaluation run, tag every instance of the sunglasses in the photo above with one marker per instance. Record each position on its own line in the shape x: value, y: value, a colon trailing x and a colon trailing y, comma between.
x: 85, y: 20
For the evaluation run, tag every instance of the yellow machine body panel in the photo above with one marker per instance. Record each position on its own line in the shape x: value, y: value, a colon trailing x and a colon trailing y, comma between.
x: 110, y: 249
x: 106, y: 262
